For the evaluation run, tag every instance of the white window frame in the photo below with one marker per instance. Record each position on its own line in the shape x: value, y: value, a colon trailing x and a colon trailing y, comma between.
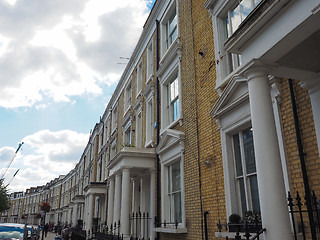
x: 127, y: 97
x: 171, y: 151
x: 171, y: 194
x: 166, y: 43
x: 245, y: 176
x: 149, y: 120
x: 108, y: 127
x: 114, y: 118
x: 150, y: 61
x: 113, y: 150
x: 226, y: 62
x: 127, y: 135
x: 166, y: 118
x: 138, y: 130
x: 139, y: 78
x: 166, y: 204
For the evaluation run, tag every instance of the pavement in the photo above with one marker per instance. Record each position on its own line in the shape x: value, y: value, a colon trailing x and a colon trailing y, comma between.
x: 50, y: 236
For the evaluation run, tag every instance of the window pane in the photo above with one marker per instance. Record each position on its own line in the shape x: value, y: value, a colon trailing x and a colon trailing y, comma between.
x: 176, y: 110
x: 235, y: 18
x: 174, y: 90
x: 176, y: 183
x: 256, y: 2
x: 237, y: 155
x: 173, y: 21
x: 249, y: 150
x: 254, y: 194
x: 242, y: 196
x: 246, y: 7
x: 177, y: 207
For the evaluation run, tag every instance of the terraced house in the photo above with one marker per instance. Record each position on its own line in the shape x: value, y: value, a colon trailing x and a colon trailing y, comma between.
x: 216, y: 114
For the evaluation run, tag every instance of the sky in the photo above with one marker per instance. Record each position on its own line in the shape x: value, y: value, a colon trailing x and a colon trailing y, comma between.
x: 59, y: 64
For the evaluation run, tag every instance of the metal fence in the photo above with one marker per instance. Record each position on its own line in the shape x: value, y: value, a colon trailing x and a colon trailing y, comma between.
x: 140, y: 226
x: 300, y: 216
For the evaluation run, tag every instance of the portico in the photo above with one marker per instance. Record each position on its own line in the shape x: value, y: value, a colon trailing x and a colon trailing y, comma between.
x: 131, y: 189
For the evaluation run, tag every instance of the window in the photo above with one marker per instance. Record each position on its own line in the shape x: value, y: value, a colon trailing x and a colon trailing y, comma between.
x: 174, y: 193
x: 149, y: 121
x: 139, y: 129
x: 245, y: 171
x: 238, y: 14
x: 113, y: 151
x: 127, y: 97
x: 173, y: 99
x: 108, y: 128
x: 170, y: 93
x: 149, y: 61
x: 171, y: 148
x: 127, y: 136
x: 169, y: 28
x: 139, y: 78
x: 114, y: 118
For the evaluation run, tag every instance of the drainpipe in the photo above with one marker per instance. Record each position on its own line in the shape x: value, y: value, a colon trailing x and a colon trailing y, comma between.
x: 158, y: 222
x: 205, y: 225
x: 302, y: 161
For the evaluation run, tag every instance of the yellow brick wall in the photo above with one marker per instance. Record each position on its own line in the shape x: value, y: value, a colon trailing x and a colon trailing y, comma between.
x: 212, y: 180
x: 308, y: 135
x: 204, y: 185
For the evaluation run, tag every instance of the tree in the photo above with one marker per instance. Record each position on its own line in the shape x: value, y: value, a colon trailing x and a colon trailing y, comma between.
x: 4, y: 199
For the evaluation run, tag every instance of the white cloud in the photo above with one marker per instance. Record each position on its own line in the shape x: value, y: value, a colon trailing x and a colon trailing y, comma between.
x: 57, y: 49
x: 45, y: 155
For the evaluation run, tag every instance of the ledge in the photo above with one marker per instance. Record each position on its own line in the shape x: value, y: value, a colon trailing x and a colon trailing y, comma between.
x: 171, y: 230
x: 231, y: 235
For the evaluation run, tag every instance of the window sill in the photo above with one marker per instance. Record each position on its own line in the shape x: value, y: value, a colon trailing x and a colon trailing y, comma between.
x: 149, y: 144
x: 149, y: 79
x: 171, y: 230
x: 172, y: 125
x: 139, y: 94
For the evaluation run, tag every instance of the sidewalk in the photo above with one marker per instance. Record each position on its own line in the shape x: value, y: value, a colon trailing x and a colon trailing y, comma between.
x: 50, y: 236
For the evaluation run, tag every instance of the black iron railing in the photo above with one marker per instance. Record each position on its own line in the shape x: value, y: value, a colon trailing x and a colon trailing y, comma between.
x: 250, y: 230
x: 78, y: 234
x: 140, y: 226
x: 299, y: 211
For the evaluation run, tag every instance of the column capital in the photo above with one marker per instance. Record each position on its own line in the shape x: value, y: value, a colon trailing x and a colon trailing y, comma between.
x: 125, y: 170
x: 312, y: 84
x: 256, y: 72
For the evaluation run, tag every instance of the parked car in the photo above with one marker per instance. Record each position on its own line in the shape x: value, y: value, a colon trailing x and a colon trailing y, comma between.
x: 13, y: 231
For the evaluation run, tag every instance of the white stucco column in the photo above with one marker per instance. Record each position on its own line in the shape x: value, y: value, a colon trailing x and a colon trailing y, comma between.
x: 90, y: 212
x: 110, y: 202
x: 74, y: 214
x: 125, y: 202
x: 274, y: 210
x: 152, y: 203
x: 313, y: 85
x: 117, y: 199
x: 70, y: 215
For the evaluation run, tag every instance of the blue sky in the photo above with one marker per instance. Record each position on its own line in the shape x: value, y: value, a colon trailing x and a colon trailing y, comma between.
x: 59, y: 64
